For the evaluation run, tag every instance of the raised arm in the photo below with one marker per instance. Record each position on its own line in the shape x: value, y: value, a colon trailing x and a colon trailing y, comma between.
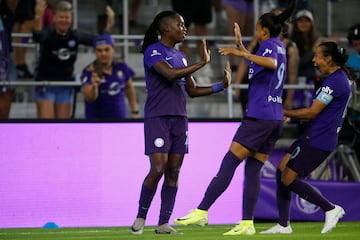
x: 171, y: 73
x: 39, y: 14
x: 110, y: 19
x: 241, y: 51
x: 196, y: 91
x: 131, y: 96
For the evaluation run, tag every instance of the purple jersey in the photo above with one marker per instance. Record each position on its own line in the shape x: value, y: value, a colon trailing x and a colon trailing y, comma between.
x: 164, y: 97
x: 266, y: 85
x: 335, y: 92
x: 111, y: 100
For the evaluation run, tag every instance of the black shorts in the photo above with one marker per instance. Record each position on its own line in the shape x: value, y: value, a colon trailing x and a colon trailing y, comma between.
x: 25, y: 10
x: 198, y: 12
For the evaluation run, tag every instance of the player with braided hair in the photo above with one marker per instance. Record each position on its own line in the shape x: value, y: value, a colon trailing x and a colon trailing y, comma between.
x: 168, y: 81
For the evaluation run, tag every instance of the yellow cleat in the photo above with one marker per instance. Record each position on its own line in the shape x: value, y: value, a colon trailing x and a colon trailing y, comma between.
x: 195, y: 217
x: 245, y: 227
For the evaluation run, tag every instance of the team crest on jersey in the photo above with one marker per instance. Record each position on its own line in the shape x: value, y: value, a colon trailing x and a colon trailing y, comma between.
x: 84, y: 79
x: 159, y: 142
x: 114, y: 89
x: 64, y: 54
x: 155, y: 53
x: 71, y: 43
x: 120, y: 74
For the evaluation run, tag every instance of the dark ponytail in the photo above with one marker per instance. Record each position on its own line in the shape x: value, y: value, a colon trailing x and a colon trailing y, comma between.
x: 275, y: 23
x: 338, y: 55
x: 152, y: 33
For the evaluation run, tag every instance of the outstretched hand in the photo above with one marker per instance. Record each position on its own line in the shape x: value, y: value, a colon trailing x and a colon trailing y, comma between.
x: 240, y: 50
x: 227, y: 75
x: 238, y: 39
x: 205, y: 52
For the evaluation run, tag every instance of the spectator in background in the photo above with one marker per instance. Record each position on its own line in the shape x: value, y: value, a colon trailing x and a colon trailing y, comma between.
x: 117, y: 6
x: 354, y: 41
x: 105, y: 82
x: 242, y: 12
x: 48, y: 13
x: 7, y: 66
x: 23, y: 23
x: 58, y: 52
x: 305, y: 35
x: 198, y: 13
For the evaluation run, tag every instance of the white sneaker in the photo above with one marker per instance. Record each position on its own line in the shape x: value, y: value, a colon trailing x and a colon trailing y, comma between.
x: 278, y: 229
x: 138, y: 226
x: 332, y: 217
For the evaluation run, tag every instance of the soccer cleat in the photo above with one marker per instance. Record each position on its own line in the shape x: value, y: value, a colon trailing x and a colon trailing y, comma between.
x: 166, y: 229
x: 138, y: 226
x: 278, y: 229
x: 332, y: 217
x: 195, y: 217
x: 245, y: 227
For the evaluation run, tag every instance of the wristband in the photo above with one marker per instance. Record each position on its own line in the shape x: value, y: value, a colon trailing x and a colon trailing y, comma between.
x: 135, y: 112
x: 217, y: 87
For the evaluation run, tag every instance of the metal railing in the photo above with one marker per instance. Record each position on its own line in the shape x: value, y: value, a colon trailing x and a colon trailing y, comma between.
x: 137, y: 84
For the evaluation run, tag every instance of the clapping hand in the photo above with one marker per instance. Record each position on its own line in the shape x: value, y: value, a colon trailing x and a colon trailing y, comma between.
x: 227, y: 75
x: 240, y: 50
x: 205, y: 52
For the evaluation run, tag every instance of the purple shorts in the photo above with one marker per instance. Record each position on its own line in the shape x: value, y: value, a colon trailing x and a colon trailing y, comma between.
x: 259, y: 135
x: 166, y: 134
x: 242, y: 6
x: 304, y: 157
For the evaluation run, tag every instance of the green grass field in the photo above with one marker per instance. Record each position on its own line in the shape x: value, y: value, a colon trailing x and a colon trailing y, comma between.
x: 302, y: 231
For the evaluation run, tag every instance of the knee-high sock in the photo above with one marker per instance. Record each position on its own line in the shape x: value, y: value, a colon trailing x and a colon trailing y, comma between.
x: 168, y: 195
x: 309, y: 193
x: 221, y: 181
x: 146, y: 197
x: 251, y: 187
x: 283, y: 197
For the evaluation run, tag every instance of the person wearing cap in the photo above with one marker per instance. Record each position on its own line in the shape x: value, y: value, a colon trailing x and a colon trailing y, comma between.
x: 57, y: 55
x: 106, y: 82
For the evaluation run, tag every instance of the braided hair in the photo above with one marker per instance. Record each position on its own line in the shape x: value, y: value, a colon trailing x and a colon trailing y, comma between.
x: 154, y: 30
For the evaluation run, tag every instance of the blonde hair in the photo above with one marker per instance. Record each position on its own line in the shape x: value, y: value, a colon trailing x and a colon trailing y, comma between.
x: 63, y: 6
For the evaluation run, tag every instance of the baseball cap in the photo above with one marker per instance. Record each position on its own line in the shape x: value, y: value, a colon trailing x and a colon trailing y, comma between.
x: 305, y: 13
x: 103, y: 39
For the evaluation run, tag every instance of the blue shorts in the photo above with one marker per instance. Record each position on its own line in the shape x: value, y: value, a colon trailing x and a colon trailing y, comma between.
x: 56, y: 94
x: 258, y: 135
x: 166, y: 134
x: 304, y: 157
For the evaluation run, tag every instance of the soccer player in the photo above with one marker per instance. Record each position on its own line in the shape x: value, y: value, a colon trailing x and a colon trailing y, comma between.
x: 325, y: 116
x: 262, y: 125
x: 168, y: 80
